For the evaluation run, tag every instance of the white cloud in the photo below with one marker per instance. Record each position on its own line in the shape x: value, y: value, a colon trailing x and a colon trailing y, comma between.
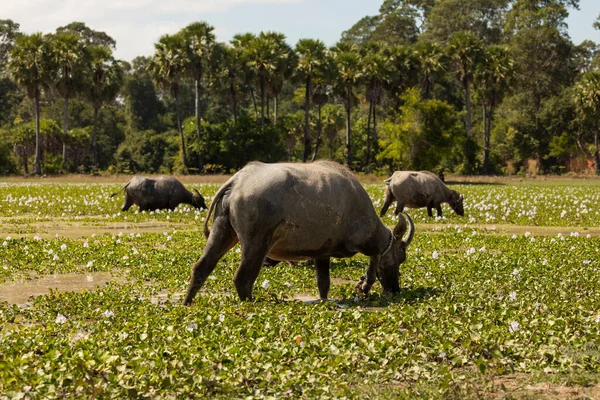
x: 134, y: 24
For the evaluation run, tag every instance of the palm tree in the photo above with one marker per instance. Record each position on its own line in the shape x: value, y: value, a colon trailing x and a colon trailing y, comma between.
x: 348, y: 71
x: 285, y: 63
x: 167, y: 67
x: 466, y: 52
x: 261, y: 59
x: 587, y: 99
x: 199, y: 43
x: 104, y: 80
x: 333, y: 121
x: 312, y: 60
x: 376, y: 74
x: 241, y: 44
x: 404, y: 70
x: 227, y: 67
x: 319, y: 97
x: 30, y: 65
x: 492, y: 76
x: 68, y: 53
x: 431, y: 63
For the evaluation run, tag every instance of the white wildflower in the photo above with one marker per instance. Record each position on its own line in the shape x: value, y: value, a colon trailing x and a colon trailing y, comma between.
x: 514, y: 327
x: 86, y: 244
x: 109, y: 314
x: 60, y: 319
x: 435, y: 254
x: 516, y: 272
x: 513, y: 296
x: 221, y: 317
x: 470, y: 251
x: 265, y: 284
x: 191, y: 326
x: 514, y: 236
x: 63, y: 247
x: 527, y: 234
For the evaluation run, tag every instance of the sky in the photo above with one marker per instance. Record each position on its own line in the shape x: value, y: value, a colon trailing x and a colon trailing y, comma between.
x: 137, y: 24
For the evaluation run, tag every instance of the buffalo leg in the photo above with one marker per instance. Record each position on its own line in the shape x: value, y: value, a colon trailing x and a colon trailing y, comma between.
x: 430, y: 209
x: 399, y: 208
x: 220, y: 241
x: 128, y: 202
x: 389, y: 199
x: 439, y: 210
x: 366, y: 282
x: 323, y: 281
x: 253, y: 257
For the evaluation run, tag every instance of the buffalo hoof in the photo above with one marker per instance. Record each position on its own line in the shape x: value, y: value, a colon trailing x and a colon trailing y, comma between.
x: 363, y: 286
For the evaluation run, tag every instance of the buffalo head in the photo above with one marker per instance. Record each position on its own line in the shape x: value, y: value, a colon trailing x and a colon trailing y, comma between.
x: 198, y: 200
x: 456, y: 202
x: 388, y: 271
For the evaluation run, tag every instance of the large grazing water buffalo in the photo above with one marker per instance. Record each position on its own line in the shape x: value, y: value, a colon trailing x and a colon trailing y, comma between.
x: 420, y: 189
x: 160, y: 193
x: 293, y: 212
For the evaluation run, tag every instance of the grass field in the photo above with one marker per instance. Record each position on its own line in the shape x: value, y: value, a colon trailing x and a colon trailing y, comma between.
x: 501, y: 303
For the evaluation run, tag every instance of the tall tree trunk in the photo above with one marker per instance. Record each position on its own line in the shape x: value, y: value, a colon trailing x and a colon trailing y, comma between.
x: 597, y: 152
x: 254, y: 102
x: 65, y: 131
x: 275, y: 107
x: 374, y: 125
x: 199, y: 122
x: 234, y: 101
x: 262, y: 101
x: 306, y: 111
x: 319, y: 128
x: 38, y: 139
x: 467, y: 88
x: 25, y: 166
x: 268, y: 107
x: 348, y: 127
x: 368, y: 155
x: 180, y: 130
x: 94, y: 142
x: 486, y: 146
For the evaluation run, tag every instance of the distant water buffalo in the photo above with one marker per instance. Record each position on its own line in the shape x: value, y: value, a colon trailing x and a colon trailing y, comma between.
x: 164, y: 192
x: 420, y: 189
x: 293, y: 212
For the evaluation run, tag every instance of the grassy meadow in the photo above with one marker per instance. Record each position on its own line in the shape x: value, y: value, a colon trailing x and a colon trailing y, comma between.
x: 501, y: 303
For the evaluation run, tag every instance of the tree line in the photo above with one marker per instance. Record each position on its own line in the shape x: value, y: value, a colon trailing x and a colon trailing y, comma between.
x: 466, y: 86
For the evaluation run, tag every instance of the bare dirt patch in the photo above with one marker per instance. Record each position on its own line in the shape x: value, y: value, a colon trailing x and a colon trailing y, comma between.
x: 508, y: 229
x: 19, y: 292
x: 75, y: 178
x: 520, y: 386
x: 74, y: 230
